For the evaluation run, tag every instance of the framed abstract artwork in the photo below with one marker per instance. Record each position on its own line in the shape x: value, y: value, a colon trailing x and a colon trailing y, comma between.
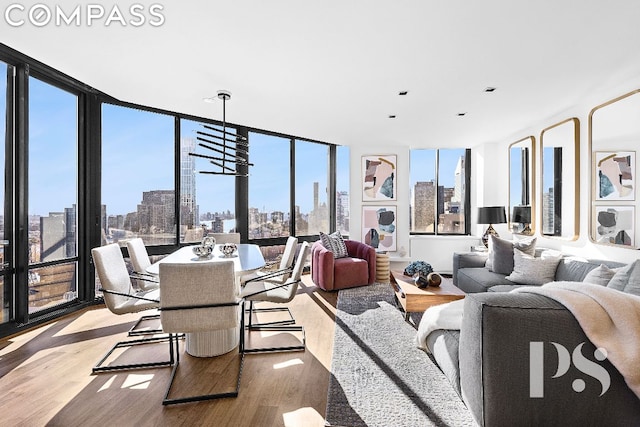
x: 615, y: 177
x: 379, y: 227
x: 378, y: 178
x: 614, y: 225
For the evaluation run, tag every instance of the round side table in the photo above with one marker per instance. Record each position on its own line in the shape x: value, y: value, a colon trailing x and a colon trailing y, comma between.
x: 383, y: 270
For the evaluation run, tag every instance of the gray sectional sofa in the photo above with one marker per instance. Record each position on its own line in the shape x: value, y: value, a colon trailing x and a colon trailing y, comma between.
x: 488, y: 361
x: 471, y: 275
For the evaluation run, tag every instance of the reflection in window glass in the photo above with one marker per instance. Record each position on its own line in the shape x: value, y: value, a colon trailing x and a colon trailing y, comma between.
x: 269, y: 182
x: 342, y: 189
x: 438, y: 196
x: 138, y: 194
x: 207, y: 201
x: 53, y: 173
x: 312, y: 211
x: 552, y: 191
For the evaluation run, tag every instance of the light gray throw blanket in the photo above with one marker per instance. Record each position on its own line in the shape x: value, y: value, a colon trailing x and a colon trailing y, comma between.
x: 609, y: 318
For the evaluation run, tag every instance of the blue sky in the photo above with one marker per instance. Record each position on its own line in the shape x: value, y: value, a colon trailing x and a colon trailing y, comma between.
x: 423, y: 166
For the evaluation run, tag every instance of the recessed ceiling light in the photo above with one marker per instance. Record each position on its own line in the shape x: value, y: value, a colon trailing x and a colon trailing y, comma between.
x: 462, y: 114
x: 403, y: 93
x: 489, y: 89
x: 210, y: 99
x: 392, y: 116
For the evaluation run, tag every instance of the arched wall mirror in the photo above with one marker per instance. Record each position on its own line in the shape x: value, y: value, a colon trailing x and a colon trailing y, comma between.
x: 614, y: 132
x: 522, y: 166
x: 560, y: 166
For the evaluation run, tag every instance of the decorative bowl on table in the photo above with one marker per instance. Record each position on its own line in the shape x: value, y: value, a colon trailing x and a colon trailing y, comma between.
x: 202, y: 251
x: 208, y: 241
x: 228, y: 249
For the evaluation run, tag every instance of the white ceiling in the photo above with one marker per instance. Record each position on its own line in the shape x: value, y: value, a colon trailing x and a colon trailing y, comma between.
x: 331, y: 70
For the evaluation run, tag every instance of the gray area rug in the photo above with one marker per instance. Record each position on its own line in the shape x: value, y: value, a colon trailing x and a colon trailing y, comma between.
x: 378, y: 375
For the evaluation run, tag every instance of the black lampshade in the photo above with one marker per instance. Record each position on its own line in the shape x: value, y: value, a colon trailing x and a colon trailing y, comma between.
x: 521, y: 214
x: 492, y: 215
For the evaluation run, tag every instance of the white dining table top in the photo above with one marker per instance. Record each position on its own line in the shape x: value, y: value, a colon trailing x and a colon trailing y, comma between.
x: 247, y: 258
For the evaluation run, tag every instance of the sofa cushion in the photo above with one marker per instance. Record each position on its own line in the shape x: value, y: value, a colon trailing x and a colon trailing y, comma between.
x: 529, y: 270
x: 444, y: 347
x: 350, y: 272
x: 479, y: 279
x: 601, y: 275
x: 501, y: 253
x: 627, y: 279
x: 505, y: 288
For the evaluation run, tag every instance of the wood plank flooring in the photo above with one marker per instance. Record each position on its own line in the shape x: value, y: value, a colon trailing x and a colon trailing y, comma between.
x: 45, y: 375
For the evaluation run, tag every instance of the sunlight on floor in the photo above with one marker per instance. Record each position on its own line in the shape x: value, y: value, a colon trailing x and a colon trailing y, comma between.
x: 108, y: 383
x: 131, y: 381
x: 310, y: 416
x: 288, y: 363
x: 137, y: 381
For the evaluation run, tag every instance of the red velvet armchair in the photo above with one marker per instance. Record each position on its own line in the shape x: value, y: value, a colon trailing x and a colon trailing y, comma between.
x: 330, y: 274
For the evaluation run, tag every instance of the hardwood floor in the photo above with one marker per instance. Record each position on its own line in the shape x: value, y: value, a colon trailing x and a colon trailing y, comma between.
x: 45, y: 375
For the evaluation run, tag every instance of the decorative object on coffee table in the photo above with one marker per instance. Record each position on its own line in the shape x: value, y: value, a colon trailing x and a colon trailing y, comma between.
x: 491, y: 215
x: 412, y: 299
x: 434, y: 279
x: 420, y: 267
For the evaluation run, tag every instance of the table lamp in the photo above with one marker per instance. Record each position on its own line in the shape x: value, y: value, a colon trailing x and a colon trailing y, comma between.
x: 522, y: 215
x: 491, y: 215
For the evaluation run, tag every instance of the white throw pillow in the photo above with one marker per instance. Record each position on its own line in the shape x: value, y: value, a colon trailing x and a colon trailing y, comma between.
x: 600, y: 275
x: 529, y: 270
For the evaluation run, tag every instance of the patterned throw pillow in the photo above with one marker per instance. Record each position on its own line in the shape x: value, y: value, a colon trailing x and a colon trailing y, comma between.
x: 335, y: 243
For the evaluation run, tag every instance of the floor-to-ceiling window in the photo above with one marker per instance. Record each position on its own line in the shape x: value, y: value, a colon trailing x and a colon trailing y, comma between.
x: 269, y: 186
x: 53, y: 195
x: 138, y: 178
x: 83, y: 169
x: 207, y: 184
x: 311, y: 178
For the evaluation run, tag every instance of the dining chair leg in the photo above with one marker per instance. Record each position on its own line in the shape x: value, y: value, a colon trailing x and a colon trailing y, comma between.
x: 99, y: 367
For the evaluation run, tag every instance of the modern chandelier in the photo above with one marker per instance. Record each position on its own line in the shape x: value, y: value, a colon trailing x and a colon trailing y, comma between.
x: 230, y: 148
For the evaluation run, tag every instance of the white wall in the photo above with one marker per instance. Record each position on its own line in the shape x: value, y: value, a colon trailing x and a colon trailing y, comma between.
x: 583, y: 246
x: 489, y: 186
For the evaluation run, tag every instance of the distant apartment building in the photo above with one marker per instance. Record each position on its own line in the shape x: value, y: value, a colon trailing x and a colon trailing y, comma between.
x: 342, y: 211
x: 156, y: 212
x: 58, y: 235
x: 423, y: 203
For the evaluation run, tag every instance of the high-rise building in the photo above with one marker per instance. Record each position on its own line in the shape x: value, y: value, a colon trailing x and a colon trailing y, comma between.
x: 548, y: 225
x: 188, y: 204
x: 342, y: 211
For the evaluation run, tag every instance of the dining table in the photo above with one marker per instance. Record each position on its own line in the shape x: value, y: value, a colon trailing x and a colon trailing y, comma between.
x: 246, y: 258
